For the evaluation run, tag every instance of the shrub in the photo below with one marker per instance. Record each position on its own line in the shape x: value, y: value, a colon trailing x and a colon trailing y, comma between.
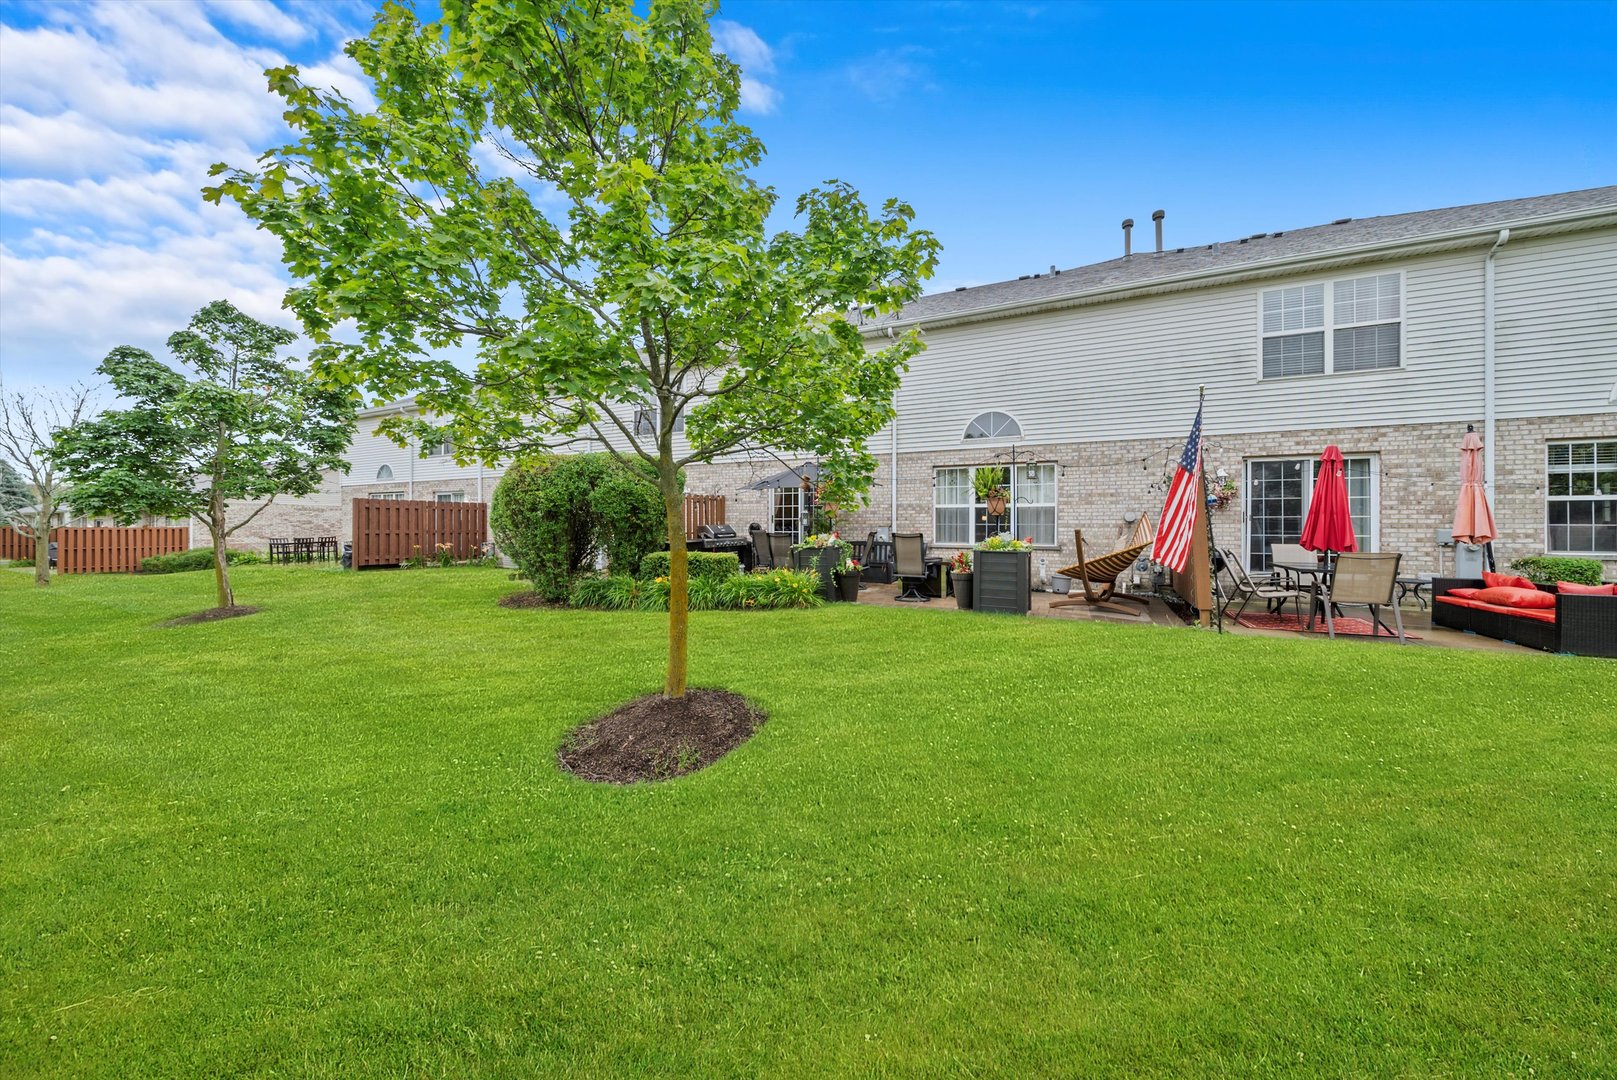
x: 552, y: 515
x: 732, y: 592
x: 195, y: 559
x: 701, y: 564
x: 1548, y: 569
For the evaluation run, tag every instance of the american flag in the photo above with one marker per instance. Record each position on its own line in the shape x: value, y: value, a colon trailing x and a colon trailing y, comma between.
x: 1172, y: 545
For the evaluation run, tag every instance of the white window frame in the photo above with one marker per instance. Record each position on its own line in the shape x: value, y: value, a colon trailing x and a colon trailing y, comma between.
x: 438, y: 449
x: 645, y: 422
x: 449, y: 496
x: 1329, y: 326
x: 792, y: 525
x: 991, y: 440
x: 1569, y: 498
x: 1374, y: 531
x: 390, y: 496
x: 977, y: 510
x: 388, y: 469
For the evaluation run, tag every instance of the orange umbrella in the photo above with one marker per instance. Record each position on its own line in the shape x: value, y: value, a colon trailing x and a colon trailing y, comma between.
x: 1330, y: 522
x: 1473, y: 520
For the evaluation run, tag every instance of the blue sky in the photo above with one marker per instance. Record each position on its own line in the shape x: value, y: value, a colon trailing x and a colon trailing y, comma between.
x: 1022, y: 133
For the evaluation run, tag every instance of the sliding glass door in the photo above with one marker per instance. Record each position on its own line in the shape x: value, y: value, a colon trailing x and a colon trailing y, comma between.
x: 1278, y: 491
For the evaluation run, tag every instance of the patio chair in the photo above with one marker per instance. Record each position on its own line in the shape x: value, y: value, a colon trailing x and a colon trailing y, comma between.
x: 1289, y: 553
x: 909, y: 566
x: 1247, y: 589
x: 280, y: 548
x: 780, y: 550
x: 760, y: 546
x: 1099, y: 575
x: 877, y: 560
x: 1368, y: 579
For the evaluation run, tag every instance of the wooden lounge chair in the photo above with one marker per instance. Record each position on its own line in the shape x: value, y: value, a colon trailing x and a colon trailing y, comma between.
x: 1099, y: 575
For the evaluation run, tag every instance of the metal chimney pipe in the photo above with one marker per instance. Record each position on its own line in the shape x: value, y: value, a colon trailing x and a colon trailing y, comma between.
x: 1157, y: 216
x: 1128, y: 239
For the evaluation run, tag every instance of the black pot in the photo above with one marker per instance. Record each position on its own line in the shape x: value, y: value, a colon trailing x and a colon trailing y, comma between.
x: 848, y: 587
x: 962, y: 589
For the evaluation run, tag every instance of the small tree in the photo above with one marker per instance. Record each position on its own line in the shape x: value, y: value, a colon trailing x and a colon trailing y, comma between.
x: 28, y: 423
x: 565, y: 187
x: 243, y: 425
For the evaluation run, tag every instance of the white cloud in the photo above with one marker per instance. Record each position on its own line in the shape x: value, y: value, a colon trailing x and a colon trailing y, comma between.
x: 891, y: 73
x: 110, y: 115
x: 755, y: 58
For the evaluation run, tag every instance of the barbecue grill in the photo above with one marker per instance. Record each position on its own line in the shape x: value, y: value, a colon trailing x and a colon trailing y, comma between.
x: 724, y: 538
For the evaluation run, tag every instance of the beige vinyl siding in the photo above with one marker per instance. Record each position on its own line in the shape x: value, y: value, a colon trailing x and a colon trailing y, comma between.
x: 1556, y: 301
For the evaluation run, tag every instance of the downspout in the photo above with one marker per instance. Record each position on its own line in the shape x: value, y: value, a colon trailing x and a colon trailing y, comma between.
x: 893, y: 480
x: 1488, y: 362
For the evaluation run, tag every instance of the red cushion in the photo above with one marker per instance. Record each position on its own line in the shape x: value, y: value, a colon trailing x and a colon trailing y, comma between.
x: 1516, y: 598
x: 1572, y: 588
x: 1545, y: 615
x: 1463, y: 594
x: 1504, y: 581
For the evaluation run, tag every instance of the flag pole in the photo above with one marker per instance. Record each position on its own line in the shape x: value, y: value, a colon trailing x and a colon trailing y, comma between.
x: 1209, y: 552
x: 1201, y: 564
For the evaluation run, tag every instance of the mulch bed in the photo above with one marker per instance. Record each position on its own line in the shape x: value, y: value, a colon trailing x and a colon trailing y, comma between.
x: 1347, y: 627
x: 213, y: 614
x: 528, y: 600
x: 658, y: 738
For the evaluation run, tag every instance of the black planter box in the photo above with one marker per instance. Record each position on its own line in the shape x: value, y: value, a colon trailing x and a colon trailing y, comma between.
x: 830, y: 559
x: 1003, y: 581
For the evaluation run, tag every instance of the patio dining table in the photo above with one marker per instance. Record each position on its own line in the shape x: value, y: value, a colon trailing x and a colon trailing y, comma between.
x: 1318, y: 575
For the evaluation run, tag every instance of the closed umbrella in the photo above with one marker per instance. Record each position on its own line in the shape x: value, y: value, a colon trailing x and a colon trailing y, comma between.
x: 1330, y: 523
x: 1473, y: 519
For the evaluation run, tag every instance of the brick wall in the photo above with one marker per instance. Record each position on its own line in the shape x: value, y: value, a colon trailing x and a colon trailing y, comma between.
x: 1100, y: 482
x: 316, y: 514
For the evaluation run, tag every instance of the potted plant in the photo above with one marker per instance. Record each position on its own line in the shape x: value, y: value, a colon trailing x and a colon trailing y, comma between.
x: 822, y: 553
x: 1004, y: 575
x: 960, y: 578
x: 990, y: 486
x: 848, y: 580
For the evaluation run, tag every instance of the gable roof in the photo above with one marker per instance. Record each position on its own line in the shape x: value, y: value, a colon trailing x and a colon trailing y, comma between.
x: 1252, y: 253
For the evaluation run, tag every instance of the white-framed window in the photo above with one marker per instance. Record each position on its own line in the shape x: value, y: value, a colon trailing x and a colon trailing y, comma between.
x: 786, y: 511
x: 993, y: 425
x: 960, y: 518
x: 1278, y: 491
x: 384, y: 473
x: 1581, y: 497
x: 391, y: 496
x: 645, y: 423
x: 436, y: 446
x: 449, y: 496
x: 1320, y: 327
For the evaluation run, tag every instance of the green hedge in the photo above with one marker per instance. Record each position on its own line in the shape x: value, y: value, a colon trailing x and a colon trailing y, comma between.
x: 776, y: 589
x: 552, y: 514
x: 1548, y: 569
x: 195, y: 559
x: 700, y: 564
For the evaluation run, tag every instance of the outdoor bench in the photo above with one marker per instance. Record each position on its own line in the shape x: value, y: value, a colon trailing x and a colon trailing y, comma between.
x: 1585, y: 625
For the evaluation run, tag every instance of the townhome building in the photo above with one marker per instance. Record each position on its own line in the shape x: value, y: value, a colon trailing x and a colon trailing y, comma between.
x: 1386, y: 336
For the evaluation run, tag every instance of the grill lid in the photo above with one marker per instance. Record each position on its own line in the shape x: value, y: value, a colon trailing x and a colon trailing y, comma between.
x: 716, y: 532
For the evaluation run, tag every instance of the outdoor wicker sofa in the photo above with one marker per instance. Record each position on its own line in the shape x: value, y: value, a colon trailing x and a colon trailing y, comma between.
x: 1585, y: 625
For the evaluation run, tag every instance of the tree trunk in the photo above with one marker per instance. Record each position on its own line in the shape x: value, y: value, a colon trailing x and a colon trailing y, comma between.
x: 42, y: 546
x: 221, y: 563
x: 678, y: 580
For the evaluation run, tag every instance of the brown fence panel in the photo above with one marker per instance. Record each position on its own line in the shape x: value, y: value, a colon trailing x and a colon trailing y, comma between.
x: 15, y: 545
x: 387, y: 532
x: 89, y: 550
x: 702, y: 510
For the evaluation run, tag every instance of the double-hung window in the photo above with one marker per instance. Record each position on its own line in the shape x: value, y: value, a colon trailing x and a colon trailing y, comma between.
x: 1581, y: 502
x: 1351, y: 324
x: 449, y: 496
x: 960, y: 518
x: 645, y: 423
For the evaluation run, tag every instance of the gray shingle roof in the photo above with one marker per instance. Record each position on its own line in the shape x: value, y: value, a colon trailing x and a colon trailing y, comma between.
x: 1146, y: 266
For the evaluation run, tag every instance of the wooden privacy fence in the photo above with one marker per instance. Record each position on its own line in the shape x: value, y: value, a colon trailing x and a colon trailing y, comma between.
x: 702, y: 510
x: 387, y: 532
x: 14, y: 545
x: 100, y: 549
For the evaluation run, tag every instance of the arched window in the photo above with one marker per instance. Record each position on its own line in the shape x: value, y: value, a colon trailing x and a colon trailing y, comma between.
x: 385, y: 473
x: 993, y: 425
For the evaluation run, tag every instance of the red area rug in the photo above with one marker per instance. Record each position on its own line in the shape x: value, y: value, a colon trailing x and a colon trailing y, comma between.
x: 1344, y: 627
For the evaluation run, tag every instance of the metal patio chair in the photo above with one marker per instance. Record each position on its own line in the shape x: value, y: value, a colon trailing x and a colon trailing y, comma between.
x: 1368, y: 579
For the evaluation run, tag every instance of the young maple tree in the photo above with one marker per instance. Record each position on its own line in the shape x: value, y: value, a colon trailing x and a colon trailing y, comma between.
x: 28, y: 426
x: 565, y: 188
x: 243, y: 425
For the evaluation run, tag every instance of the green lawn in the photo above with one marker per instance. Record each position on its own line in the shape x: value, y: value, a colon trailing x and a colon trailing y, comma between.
x: 330, y: 840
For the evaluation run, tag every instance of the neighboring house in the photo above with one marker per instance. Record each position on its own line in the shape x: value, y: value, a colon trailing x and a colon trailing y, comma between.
x: 1385, y: 336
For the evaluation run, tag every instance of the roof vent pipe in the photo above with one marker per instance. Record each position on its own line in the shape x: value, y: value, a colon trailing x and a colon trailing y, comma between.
x: 1157, y: 216
x: 1128, y: 237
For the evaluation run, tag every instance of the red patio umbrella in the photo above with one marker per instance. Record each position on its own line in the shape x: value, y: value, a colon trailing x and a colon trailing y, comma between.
x: 1330, y: 523
x: 1473, y: 520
